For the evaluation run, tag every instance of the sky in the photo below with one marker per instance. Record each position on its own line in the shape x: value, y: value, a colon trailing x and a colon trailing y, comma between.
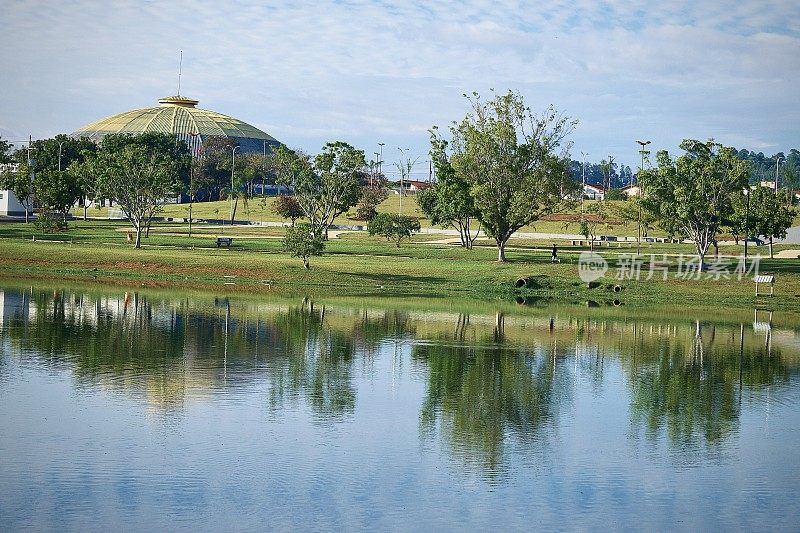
x: 368, y: 72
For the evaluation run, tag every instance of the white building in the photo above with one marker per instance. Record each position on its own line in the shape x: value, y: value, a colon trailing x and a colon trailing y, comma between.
x: 10, y: 205
x: 594, y: 192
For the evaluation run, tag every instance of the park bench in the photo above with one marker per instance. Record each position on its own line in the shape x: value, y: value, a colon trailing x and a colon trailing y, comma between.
x: 224, y: 241
x: 765, y: 279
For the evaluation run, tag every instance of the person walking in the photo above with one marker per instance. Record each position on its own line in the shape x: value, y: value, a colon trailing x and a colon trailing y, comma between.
x: 554, y: 257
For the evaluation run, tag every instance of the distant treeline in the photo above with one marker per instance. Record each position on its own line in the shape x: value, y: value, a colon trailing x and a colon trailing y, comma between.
x: 763, y: 169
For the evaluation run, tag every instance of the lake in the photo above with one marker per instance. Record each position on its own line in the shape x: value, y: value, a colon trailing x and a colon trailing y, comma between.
x: 167, y: 411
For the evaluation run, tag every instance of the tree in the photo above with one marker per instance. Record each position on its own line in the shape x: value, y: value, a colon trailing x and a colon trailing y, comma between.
x: 448, y: 202
x: 597, y: 214
x: 371, y: 197
x: 302, y: 241
x: 393, y: 226
x: 136, y: 175
x: 769, y: 216
x: 325, y: 187
x: 508, y: 157
x: 287, y: 207
x: 692, y: 195
x: 43, y: 172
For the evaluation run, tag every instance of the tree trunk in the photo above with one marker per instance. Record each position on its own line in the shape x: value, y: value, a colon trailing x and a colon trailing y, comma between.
x: 26, y: 212
x: 770, y: 247
x: 501, y: 251
x: 138, y: 236
x: 190, y: 218
x: 233, y: 213
x: 305, y: 263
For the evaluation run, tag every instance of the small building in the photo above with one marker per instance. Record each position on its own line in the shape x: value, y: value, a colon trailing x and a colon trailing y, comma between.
x: 416, y: 186
x: 594, y: 192
x: 10, y: 205
x: 632, y: 191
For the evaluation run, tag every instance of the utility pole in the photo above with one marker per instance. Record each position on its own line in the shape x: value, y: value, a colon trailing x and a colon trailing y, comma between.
x: 643, y: 152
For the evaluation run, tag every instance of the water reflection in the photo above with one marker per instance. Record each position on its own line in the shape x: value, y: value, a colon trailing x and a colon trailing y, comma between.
x: 495, y: 385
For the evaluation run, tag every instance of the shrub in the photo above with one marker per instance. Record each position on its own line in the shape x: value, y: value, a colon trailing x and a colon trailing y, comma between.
x: 393, y: 227
x: 300, y: 241
x: 287, y: 207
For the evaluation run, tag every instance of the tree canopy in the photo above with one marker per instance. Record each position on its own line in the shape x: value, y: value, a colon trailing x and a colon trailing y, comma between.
x: 692, y: 195
x: 327, y: 185
x: 514, y: 162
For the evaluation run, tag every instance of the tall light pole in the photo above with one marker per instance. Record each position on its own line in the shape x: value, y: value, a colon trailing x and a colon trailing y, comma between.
x: 380, y: 158
x: 233, y: 166
x: 643, y: 152
x: 377, y: 168
x: 401, y: 167
x: 746, y: 216
x: 59, y: 154
x: 583, y: 174
x: 191, y: 179
x: 777, y: 166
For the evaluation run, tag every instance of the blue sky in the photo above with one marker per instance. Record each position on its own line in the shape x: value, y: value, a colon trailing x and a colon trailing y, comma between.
x: 371, y: 71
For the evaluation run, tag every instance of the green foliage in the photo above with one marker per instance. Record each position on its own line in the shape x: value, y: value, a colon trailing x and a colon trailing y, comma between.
x: 301, y: 241
x: 5, y: 152
x: 768, y: 216
x: 615, y: 194
x: 137, y: 174
x: 692, y: 195
x: 393, y: 226
x: 46, y: 222
x: 507, y: 156
x: 325, y: 187
x: 371, y: 198
x: 287, y: 207
x: 448, y: 202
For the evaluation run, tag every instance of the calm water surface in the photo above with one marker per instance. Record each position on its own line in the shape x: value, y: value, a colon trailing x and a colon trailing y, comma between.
x: 138, y: 411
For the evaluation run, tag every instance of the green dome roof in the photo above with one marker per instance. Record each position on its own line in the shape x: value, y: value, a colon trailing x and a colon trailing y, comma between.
x: 179, y: 116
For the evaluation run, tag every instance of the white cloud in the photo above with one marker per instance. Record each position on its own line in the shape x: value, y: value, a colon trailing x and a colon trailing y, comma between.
x: 369, y: 71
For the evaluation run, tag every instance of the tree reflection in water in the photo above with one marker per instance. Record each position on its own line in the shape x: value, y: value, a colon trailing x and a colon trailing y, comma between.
x: 495, y: 384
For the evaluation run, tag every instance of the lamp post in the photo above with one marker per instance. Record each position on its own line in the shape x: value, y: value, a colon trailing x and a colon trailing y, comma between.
x: 746, y: 217
x: 374, y: 175
x: 191, y: 180
x: 777, y: 166
x: 380, y: 158
x: 233, y: 166
x: 643, y: 152
x: 583, y: 174
x: 402, y: 169
x: 59, y: 154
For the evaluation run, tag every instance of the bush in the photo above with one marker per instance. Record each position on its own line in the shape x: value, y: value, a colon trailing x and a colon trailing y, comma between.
x: 371, y: 198
x: 393, y: 227
x: 300, y: 241
x: 287, y: 207
x: 50, y: 223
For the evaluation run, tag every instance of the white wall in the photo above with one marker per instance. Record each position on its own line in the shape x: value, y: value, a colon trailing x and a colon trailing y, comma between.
x: 9, y: 204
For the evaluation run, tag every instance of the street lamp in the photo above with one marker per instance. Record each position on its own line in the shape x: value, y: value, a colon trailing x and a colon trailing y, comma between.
x: 59, y: 154
x: 639, y: 222
x: 746, y: 216
x: 380, y: 158
x: 583, y: 173
x: 233, y: 166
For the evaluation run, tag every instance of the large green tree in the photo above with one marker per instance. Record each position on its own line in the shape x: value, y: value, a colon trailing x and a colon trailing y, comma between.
x: 325, y: 187
x: 692, y: 195
x: 138, y: 174
x: 448, y: 202
x: 514, y: 162
x: 769, y: 217
x: 43, y: 173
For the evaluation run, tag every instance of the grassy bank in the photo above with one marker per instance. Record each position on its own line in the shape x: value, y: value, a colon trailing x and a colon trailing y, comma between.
x: 359, y: 265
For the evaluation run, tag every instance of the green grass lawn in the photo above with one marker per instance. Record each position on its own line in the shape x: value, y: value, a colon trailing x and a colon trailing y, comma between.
x: 260, y: 210
x: 357, y: 264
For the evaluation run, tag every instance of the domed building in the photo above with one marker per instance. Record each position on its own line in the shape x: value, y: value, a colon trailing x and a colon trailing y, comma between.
x: 180, y: 116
